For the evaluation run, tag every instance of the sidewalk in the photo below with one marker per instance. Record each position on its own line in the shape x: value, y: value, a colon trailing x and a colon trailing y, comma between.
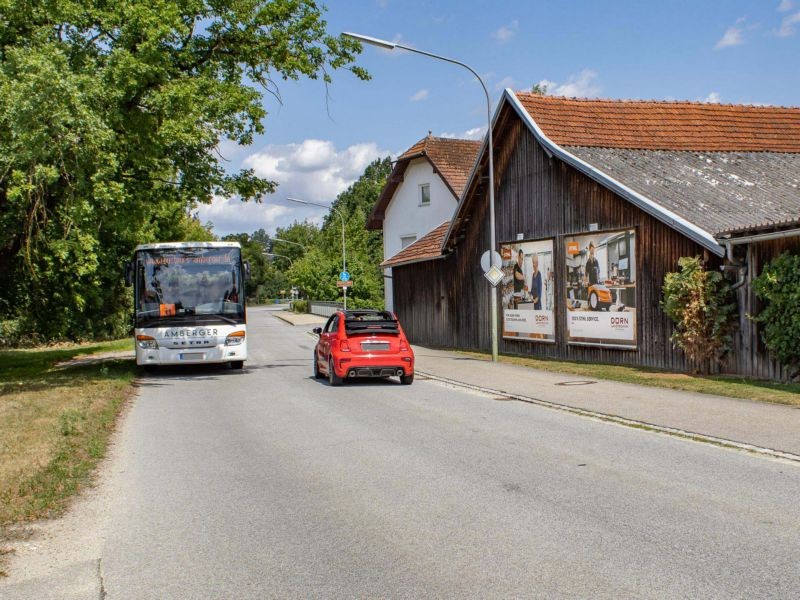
x: 299, y: 318
x: 772, y: 426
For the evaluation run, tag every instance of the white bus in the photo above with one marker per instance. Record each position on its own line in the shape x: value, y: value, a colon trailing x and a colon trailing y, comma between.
x: 189, y: 303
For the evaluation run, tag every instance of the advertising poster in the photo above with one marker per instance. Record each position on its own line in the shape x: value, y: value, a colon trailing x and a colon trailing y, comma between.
x: 601, y: 288
x: 527, y: 291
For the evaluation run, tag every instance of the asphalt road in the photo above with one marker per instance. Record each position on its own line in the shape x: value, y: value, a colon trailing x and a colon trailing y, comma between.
x: 266, y: 483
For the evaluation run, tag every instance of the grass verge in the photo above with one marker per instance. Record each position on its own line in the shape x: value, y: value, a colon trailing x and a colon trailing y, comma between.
x: 719, y: 385
x: 55, y: 422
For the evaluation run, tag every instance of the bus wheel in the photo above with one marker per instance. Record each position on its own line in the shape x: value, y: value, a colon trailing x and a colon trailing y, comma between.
x: 237, y: 364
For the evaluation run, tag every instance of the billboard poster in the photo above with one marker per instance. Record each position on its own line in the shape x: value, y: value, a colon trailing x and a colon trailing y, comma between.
x: 601, y: 288
x: 527, y: 291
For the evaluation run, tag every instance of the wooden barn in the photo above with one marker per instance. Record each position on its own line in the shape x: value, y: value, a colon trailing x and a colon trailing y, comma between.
x: 596, y: 200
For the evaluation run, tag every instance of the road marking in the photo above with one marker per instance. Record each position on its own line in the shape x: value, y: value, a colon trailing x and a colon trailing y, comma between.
x: 632, y: 423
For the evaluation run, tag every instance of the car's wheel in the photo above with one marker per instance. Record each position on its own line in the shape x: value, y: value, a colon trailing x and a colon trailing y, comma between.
x: 594, y: 302
x: 333, y: 378
x: 407, y: 379
x: 237, y: 364
x: 317, y: 372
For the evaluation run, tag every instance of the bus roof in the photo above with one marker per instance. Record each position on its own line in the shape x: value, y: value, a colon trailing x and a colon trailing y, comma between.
x: 174, y: 245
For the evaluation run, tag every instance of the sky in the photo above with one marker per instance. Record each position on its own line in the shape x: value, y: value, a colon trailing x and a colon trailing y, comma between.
x: 318, y: 141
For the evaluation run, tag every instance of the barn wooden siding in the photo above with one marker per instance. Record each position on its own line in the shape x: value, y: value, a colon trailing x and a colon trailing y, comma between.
x: 750, y: 356
x: 444, y: 303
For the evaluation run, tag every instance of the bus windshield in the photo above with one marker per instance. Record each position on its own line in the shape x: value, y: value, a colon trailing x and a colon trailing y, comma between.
x: 188, y: 286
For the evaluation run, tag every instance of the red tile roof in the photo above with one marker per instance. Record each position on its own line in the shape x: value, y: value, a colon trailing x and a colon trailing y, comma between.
x: 451, y: 158
x: 655, y: 125
x: 428, y: 247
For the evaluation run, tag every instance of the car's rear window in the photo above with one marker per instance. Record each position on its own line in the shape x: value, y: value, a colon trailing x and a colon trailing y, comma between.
x: 370, y: 322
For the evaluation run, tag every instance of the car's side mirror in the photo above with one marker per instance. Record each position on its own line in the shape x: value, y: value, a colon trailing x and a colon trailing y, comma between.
x: 317, y: 330
x: 129, y: 267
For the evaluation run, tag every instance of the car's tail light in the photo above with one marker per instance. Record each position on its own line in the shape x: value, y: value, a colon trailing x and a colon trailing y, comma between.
x: 235, y: 338
x: 344, y: 346
x: 147, y: 342
x: 403, y: 346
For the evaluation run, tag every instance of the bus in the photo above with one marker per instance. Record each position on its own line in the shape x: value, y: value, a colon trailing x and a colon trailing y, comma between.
x: 189, y: 303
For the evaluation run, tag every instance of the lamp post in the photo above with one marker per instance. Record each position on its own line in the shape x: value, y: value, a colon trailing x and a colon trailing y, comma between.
x: 387, y: 45
x: 341, y: 217
x: 279, y: 256
x: 274, y: 239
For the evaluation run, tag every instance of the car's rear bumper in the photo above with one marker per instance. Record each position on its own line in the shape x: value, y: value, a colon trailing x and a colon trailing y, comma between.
x: 378, y: 366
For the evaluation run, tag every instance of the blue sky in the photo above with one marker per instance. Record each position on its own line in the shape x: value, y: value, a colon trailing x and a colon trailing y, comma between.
x: 317, y: 142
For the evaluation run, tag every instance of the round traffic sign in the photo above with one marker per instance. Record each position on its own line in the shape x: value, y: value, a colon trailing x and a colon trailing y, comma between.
x: 344, y: 276
x: 497, y: 260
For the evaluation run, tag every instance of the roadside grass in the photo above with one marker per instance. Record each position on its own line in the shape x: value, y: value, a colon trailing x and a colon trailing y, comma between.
x: 55, y: 422
x: 719, y: 385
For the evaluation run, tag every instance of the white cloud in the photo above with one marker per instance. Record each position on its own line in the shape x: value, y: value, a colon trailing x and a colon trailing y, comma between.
x: 420, y: 95
x: 312, y: 170
x: 476, y: 133
x: 785, y: 6
x: 788, y: 25
x: 506, y: 82
x: 506, y: 33
x: 732, y: 36
x: 713, y: 98
x: 582, y: 85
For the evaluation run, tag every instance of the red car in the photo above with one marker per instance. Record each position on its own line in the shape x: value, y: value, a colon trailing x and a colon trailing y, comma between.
x: 363, y: 343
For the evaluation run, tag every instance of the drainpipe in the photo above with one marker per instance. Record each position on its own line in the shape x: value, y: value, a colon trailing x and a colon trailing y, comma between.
x: 749, y: 239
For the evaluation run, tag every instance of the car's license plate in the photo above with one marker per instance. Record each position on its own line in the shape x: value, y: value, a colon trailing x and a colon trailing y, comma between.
x: 193, y: 356
x: 374, y: 345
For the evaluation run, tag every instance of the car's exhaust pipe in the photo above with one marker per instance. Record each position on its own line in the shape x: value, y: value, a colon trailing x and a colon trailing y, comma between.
x: 352, y: 373
x: 399, y: 372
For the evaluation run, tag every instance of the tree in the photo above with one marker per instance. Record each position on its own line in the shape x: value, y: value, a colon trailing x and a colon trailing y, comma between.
x: 700, y: 304
x: 539, y: 88
x: 110, y: 120
x: 779, y: 285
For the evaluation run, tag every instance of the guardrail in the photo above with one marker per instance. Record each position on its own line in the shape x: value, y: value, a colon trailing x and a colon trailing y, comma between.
x: 324, y: 309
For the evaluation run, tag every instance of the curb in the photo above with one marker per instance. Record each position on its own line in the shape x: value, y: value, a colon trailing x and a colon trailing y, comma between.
x: 632, y: 423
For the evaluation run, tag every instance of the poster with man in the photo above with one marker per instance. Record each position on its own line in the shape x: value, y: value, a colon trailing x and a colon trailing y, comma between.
x: 527, y: 291
x: 601, y: 288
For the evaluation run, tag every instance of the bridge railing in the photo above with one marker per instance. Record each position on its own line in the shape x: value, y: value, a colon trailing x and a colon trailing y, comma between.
x: 324, y: 309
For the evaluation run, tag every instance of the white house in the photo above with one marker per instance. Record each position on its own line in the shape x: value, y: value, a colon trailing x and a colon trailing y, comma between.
x: 420, y: 195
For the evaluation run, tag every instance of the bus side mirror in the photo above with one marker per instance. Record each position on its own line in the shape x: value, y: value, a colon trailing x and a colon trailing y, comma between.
x: 247, y: 269
x: 129, y: 268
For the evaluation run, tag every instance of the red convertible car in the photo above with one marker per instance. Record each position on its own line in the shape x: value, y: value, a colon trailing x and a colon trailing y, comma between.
x: 363, y: 343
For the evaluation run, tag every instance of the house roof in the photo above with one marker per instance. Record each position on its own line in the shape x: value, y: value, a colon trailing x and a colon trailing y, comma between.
x: 659, y: 125
x: 705, y: 170
x: 451, y: 158
x: 428, y: 247
x: 722, y: 192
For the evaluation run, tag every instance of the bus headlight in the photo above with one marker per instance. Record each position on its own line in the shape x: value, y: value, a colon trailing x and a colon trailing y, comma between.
x: 147, y: 342
x: 235, y: 338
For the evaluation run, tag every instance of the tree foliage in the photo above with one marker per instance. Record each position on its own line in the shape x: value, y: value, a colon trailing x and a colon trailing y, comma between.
x: 700, y: 304
x: 110, y: 119
x: 779, y: 285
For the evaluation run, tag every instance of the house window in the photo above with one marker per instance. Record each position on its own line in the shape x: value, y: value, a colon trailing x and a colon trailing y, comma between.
x: 407, y: 240
x: 425, y: 194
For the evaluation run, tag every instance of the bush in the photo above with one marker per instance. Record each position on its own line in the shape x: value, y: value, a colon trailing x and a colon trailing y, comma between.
x: 779, y: 285
x: 700, y: 304
x: 300, y: 306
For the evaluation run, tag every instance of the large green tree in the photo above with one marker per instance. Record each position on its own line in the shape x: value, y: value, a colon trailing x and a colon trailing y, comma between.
x: 110, y: 119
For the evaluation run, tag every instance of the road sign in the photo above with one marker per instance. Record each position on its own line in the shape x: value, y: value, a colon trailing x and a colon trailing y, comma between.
x: 494, y: 275
x: 497, y: 261
x: 344, y: 276
x: 344, y: 284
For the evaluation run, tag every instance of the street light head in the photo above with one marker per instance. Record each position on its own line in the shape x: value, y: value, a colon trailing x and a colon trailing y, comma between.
x: 297, y: 200
x: 372, y: 41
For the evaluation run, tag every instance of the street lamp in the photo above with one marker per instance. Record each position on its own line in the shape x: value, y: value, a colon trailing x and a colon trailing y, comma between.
x: 274, y: 239
x: 386, y: 45
x: 344, y: 253
x: 279, y: 256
